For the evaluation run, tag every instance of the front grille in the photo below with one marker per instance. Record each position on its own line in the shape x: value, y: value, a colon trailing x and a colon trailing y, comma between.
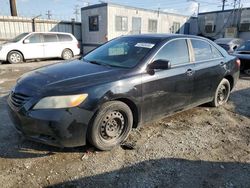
x: 18, y: 99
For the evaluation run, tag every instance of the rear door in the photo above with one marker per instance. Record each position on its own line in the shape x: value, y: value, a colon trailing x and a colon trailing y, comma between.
x: 209, y: 70
x: 52, y: 47
x: 33, y: 47
x: 168, y: 90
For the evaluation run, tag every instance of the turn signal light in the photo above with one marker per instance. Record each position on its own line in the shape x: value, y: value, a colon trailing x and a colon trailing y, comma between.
x: 238, y: 63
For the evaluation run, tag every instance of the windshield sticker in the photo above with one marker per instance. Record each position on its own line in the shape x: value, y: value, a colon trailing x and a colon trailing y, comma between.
x: 145, y: 45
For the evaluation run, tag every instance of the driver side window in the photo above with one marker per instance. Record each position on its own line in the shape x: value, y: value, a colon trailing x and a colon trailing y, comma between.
x: 176, y: 52
x: 35, y: 38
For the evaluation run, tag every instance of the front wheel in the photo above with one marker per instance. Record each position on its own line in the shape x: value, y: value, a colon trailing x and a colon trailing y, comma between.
x: 222, y: 93
x: 15, y: 57
x: 111, y: 126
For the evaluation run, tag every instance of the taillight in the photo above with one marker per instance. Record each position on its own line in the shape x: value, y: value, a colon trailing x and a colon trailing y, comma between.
x: 238, y: 63
x: 78, y: 45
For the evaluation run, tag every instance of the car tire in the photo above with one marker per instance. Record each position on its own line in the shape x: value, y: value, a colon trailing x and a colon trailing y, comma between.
x: 111, y: 125
x: 67, y: 54
x: 15, y: 57
x: 221, y: 94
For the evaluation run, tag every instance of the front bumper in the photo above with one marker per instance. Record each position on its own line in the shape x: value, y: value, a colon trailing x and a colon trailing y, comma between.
x: 57, y: 127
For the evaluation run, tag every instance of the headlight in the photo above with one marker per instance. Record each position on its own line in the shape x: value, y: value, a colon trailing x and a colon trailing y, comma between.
x: 66, y: 101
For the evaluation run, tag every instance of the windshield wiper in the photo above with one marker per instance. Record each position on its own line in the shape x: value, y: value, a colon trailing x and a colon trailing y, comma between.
x: 93, y: 62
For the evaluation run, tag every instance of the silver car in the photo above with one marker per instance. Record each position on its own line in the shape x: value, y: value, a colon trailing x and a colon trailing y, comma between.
x: 229, y: 44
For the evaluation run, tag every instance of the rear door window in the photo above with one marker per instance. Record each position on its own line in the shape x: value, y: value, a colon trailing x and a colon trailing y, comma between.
x: 203, y: 51
x: 176, y: 52
x: 50, y: 38
x: 64, y: 37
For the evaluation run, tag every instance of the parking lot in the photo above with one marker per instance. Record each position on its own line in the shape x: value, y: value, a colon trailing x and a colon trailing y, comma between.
x: 201, y: 147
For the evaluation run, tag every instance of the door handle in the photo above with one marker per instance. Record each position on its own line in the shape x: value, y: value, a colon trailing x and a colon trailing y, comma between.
x: 189, y: 72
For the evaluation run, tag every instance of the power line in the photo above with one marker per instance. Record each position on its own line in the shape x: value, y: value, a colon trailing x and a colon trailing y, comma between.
x: 48, y: 14
x: 76, y: 12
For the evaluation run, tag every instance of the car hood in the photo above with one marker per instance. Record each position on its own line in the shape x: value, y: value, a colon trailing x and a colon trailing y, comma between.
x: 66, y: 76
x: 242, y: 54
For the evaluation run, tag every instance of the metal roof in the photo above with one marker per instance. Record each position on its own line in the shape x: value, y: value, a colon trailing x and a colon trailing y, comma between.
x: 129, y: 7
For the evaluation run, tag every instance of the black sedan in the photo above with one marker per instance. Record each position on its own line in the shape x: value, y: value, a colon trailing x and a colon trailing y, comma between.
x: 124, y: 83
x: 243, y: 53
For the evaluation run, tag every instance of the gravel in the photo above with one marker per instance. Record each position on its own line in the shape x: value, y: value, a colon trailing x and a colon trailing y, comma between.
x: 202, y: 147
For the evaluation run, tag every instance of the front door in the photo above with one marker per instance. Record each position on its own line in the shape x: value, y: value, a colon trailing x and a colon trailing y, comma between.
x: 33, y: 47
x: 169, y: 90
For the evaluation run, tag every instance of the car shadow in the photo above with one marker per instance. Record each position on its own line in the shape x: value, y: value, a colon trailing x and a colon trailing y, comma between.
x: 241, y: 101
x: 169, y: 172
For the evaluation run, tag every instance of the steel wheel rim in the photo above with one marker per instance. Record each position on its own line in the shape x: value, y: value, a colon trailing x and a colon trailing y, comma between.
x: 222, y: 94
x: 113, y: 126
x: 15, y: 57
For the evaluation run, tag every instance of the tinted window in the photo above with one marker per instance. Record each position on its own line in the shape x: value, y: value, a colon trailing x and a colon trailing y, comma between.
x: 94, y: 23
x: 124, y: 52
x: 244, y: 47
x: 216, y: 53
x: 50, y: 38
x: 63, y: 37
x: 35, y: 38
x: 175, y: 51
x: 204, y: 51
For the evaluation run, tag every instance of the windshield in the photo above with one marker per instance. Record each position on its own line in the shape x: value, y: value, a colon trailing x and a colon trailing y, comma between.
x: 124, y: 52
x: 19, y: 37
x: 244, y: 47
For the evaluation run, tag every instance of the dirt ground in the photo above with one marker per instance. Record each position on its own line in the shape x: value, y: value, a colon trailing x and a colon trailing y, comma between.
x: 202, y: 147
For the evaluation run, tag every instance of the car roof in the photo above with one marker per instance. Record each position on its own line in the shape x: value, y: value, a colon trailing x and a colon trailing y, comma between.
x: 51, y: 33
x: 227, y: 40
x: 164, y: 36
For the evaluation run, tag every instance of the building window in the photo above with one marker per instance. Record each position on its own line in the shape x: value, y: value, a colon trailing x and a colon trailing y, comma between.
x: 176, y: 27
x: 121, y: 23
x: 94, y: 23
x: 210, y: 28
x: 152, y: 26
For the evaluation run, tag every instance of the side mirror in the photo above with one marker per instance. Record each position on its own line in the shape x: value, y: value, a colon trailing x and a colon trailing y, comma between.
x: 159, y: 64
x: 26, y: 41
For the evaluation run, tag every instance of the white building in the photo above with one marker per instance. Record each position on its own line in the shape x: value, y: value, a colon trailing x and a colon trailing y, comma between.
x: 105, y: 21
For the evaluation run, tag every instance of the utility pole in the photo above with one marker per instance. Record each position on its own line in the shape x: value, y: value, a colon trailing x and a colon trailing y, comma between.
x: 223, y: 4
x: 13, y: 9
x: 48, y: 14
x: 76, y: 12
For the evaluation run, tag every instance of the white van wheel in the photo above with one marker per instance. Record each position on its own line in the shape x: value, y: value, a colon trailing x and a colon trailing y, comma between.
x: 67, y: 54
x: 15, y: 57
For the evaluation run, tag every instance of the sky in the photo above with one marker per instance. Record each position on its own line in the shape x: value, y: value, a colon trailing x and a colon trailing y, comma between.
x: 64, y: 9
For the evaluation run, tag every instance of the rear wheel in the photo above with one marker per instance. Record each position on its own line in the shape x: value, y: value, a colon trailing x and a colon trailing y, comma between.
x: 222, y: 93
x: 15, y: 57
x: 67, y: 54
x: 111, y: 126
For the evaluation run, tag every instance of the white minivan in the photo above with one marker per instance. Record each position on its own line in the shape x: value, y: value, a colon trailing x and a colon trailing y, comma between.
x: 38, y: 45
